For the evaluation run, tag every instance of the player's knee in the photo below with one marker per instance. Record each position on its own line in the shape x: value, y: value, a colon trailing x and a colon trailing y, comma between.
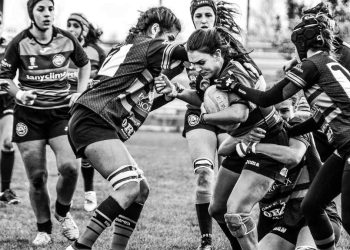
x: 239, y: 224
x: 202, y: 164
x: 68, y: 170
x: 126, y: 179
x: 203, y: 168
x: 38, y: 180
x: 216, y: 211
x: 8, y: 145
x: 144, y: 192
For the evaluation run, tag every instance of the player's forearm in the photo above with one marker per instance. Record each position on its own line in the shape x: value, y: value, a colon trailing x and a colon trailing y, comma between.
x: 83, y: 77
x: 283, y: 154
x: 263, y: 98
x: 190, y: 96
x: 228, y: 146
x: 236, y: 113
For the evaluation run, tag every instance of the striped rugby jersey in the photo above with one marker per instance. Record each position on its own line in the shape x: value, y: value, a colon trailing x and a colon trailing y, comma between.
x: 43, y: 67
x: 326, y: 85
x: 123, y: 89
x: 265, y: 118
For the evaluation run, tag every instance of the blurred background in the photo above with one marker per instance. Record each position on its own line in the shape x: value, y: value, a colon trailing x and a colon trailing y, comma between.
x: 266, y: 28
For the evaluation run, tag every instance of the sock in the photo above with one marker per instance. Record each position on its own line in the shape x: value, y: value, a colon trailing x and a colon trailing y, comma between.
x: 61, y: 209
x: 104, y: 215
x: 124, y: 225
x: 77, y: 245
x: 233, y: 240
x: 45, y: 227
x: 88, y: 175
x: 204, y: 219
x: 6, y: 168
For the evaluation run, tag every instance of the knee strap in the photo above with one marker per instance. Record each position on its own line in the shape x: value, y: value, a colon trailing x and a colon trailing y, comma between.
x: 305, y: 248
x: 123, y: 175
x: 202, y: 163
x: 239, y: 224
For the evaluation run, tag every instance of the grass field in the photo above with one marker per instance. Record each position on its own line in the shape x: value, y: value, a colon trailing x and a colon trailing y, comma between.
x: 168, y: 220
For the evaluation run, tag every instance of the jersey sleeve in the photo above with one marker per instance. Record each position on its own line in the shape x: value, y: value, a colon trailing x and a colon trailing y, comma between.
x: 79, y: 56
x: 304, y: 138
x: 303, y: 74
x: 10, y: 62
x: 165, y: 55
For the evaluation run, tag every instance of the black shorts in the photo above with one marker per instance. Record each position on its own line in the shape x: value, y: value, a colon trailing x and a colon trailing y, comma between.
x: 86, y: 127
x: 260, y: 163
x: 289, y: 226
x: 39, y: 124
x: 192, y: 122
x: 7, y: 104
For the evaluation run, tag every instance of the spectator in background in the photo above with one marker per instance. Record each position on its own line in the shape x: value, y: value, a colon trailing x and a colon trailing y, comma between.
x: 88, y: 36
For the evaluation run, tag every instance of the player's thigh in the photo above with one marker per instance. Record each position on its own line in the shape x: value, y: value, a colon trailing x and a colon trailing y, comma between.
x: 220, y: 138
x: 250, y: 188
x: 202, y: 143
x: 108, y: 155
x: 34, y: 156
x: 63, y: 151
x: 275, y: 242
x: 6, y: 124
x: 224, y: 184
x: 305, y: 238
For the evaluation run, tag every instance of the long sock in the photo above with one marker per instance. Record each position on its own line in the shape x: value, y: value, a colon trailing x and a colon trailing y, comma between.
x: 6, y: 167
x: 61, y: 209
x: 45, y: 227
x: 104, y: 215
x: 124, y: 226
x: 233, y: 240
x: 204, y: 219
x: 88, y: 175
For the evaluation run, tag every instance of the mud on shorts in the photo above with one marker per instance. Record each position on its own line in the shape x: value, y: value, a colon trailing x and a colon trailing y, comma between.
x: 7, y: 104
x: 86, y: 127
x: 192, y: 122
x: 260, y: 163
x: 39, y: 124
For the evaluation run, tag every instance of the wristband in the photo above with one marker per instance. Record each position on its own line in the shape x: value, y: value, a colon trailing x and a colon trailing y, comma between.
x: 241, y: 149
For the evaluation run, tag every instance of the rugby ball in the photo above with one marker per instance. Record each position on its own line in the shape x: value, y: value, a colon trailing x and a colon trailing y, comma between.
x: 216, y: 100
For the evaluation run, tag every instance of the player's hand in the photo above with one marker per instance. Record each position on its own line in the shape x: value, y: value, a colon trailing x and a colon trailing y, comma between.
x: 4, y: 85
x: 26, y: 97
x: 73, y: 98
x: 226, y: 83
x: 243, y: 149
x: 203, y: 112
x: 163, y: 84
x: 254, y: 135
x: 251, y: 69
x: 289, y: 64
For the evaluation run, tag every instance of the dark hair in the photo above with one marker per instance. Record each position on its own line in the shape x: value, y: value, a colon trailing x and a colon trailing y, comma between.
x: 30, y: 6
x: 93, y: 35
x: 161, y: 15
x: 209, y: 40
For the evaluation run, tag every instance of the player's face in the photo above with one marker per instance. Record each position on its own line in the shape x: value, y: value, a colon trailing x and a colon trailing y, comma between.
x: 286, y: 112
x: 204, y: 18
x: 206, y: 65
x: 43, y: 13
x: 74, y: 28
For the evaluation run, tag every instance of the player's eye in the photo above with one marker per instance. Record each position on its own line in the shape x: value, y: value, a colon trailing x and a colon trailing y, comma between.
x: 171, y: 38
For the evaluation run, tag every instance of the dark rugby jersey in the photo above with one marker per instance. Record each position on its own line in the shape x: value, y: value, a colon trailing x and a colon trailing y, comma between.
x: 96, y: 56
x: 326, y: 85
x: 265, y: 118
x: 123, y: 90
x: 299, y: 178
x: 43, y: 67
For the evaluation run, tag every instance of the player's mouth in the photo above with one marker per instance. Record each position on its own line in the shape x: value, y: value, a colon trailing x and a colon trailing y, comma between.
x: 204, y: 27
x: 47, y: 22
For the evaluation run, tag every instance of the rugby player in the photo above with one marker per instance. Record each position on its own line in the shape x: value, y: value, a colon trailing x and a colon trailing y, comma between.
x: 110, y: 112
x: 327, y: 89
x: 79, y: 26
x: 41, y: 55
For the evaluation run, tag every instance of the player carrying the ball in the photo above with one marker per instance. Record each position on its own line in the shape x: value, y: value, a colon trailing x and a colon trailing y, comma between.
x: 210, y: 51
